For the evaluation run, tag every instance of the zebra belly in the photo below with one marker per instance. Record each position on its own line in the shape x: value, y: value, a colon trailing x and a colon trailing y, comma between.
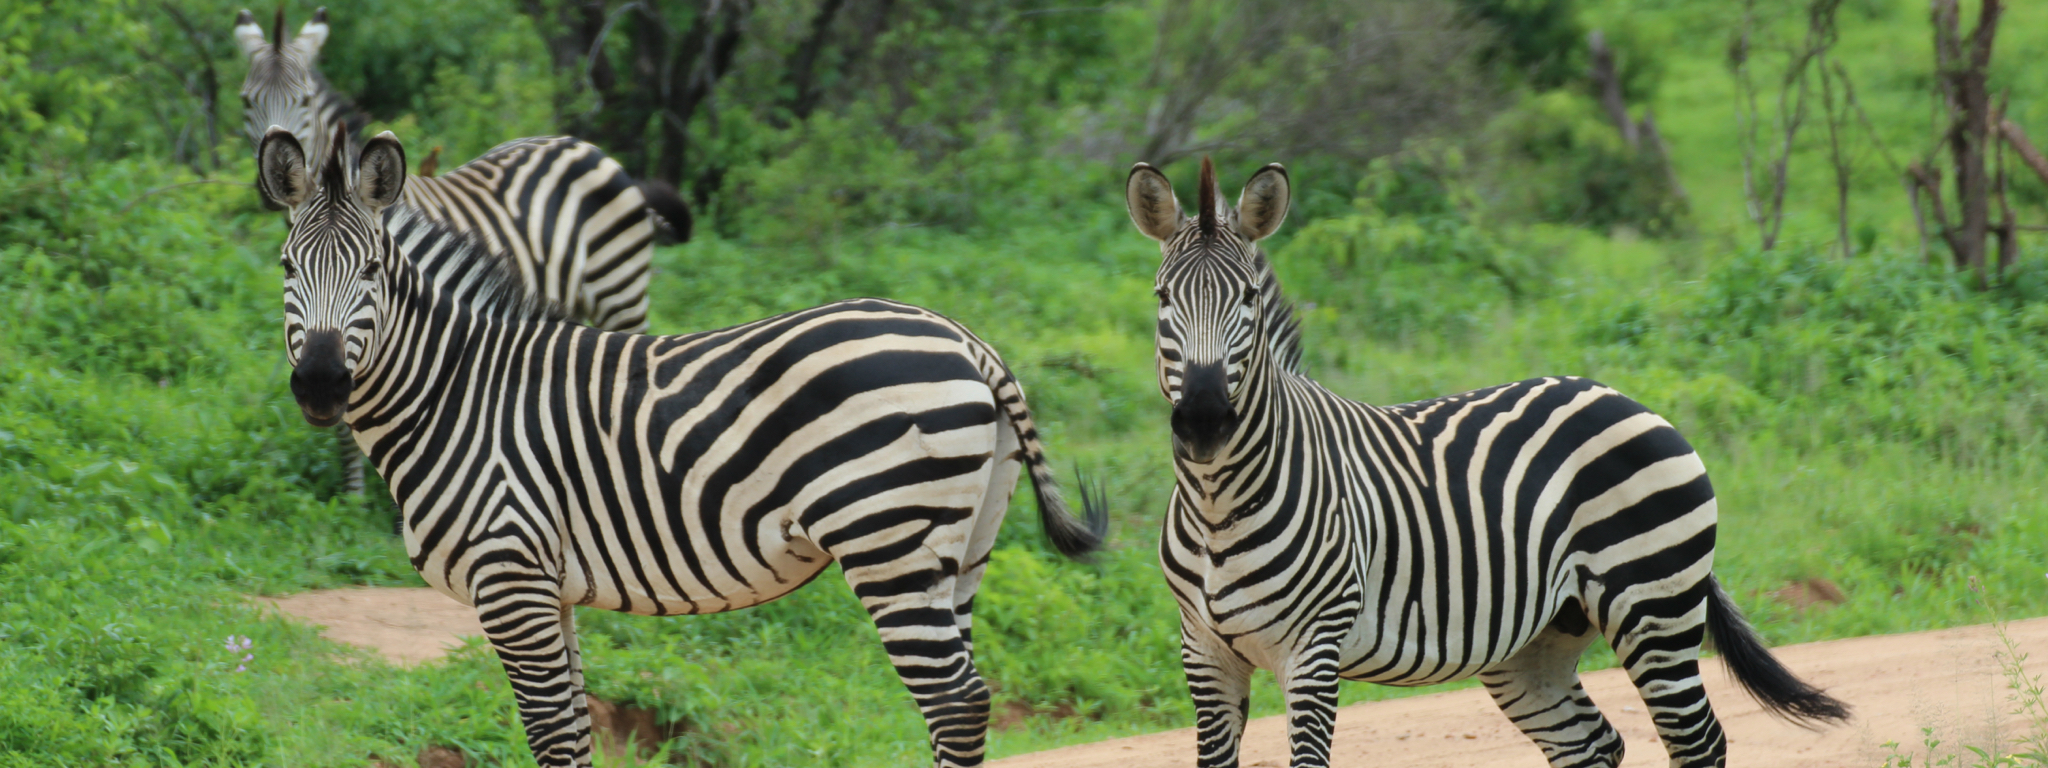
x: 791, y: 561
x: 1404, y: 647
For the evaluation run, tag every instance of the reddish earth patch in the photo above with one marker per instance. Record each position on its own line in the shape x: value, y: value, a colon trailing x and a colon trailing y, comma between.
x: 1810, y: 594
x: 1012, y: 714
x: 442, y: 757
x: 627, y: 728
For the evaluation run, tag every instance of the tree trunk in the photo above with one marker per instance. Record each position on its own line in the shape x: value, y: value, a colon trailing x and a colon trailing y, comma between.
x: 803, y: 63
x: 1963, y: 67
x: 1608, y: 81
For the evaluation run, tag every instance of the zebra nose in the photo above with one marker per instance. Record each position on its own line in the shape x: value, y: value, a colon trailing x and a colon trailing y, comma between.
x: 1202, y: 420
x: 321, y: 381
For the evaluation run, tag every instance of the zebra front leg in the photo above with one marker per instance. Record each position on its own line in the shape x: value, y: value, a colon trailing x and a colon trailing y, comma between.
x: 1311, y: 685
x: 1220, y: 684
x: 535, y: 636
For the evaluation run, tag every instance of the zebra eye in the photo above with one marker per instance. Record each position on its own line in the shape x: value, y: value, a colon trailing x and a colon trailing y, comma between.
x: 1161, y: 293
x: 1251, y: 295
x: 370, y: 271
x: 289, y: 270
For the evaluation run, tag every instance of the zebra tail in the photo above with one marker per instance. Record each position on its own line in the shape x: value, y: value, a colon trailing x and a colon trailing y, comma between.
x: 1759, y: 672
x: 1075, y: 538
x: 672, y: 218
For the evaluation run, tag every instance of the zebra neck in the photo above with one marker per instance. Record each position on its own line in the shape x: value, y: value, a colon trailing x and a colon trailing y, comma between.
x: 427, y: 344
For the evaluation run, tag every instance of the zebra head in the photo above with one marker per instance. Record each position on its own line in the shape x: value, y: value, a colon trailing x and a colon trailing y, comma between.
x: 333, y: 260
x: 1213, y: 287
x: 281, y: 88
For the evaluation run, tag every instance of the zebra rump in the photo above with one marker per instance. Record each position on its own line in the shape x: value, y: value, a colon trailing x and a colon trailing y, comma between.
x: 672, y: 218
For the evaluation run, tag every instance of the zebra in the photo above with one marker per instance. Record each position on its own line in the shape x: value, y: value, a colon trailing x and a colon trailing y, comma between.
x: 578, y: 229
x: 540, y: 465
x: 1493, y: 533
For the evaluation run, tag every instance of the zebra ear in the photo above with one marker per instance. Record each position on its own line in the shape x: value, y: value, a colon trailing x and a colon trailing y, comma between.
x: 1149, y: 197
x: 380, y: 172
x: 248, y: 34
x: 311, y: 36
x: 281, y: 170
x: 1263, y: 204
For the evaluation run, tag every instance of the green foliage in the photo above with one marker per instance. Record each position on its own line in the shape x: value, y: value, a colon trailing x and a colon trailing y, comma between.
x: 1412, y: 258
x: 1560, y: 160
x: 1538, y: 40
x: 55, y: 101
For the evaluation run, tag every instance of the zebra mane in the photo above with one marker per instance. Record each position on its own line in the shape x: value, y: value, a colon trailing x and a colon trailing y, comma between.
x: 1283, y: 327
x: 464, y: 269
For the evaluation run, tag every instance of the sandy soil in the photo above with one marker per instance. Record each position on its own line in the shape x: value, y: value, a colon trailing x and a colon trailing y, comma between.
x: 406, y: 624
x: 1948, y: 680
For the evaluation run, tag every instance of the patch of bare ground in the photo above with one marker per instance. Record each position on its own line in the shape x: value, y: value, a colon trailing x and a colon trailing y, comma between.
x: 1948, y: 680
x: 413, y: 625
x: 407, y: 625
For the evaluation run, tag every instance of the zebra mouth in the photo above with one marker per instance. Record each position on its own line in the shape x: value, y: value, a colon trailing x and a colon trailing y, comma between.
x: 325, y: 416
x: 1202, y: 453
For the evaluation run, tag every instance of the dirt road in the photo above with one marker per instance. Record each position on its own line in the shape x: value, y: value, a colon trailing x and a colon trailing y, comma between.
x: 1948, y: 680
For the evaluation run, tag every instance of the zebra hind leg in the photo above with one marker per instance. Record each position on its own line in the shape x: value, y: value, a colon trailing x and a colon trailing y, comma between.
x: 988, y: 521
x: 1538, y: 689
x: 908, y: 590
x: 1656, y: 636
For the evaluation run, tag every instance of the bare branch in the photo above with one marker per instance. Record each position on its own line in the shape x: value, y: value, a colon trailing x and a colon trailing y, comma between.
x: 2029, y: 154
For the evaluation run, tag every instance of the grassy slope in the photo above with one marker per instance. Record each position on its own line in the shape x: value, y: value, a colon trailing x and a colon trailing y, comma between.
x: 1865, y: 423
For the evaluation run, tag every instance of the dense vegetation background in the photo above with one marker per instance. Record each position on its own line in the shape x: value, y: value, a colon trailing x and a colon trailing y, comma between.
x: 1466, y: 214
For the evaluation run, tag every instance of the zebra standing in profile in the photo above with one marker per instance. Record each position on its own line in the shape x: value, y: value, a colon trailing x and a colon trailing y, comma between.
x: 541, y: 465
x: 1493, y: 533
x: 577, y: 229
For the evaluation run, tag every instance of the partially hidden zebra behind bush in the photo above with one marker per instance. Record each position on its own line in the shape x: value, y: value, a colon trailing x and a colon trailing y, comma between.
x: 1494, y: 533
x: 540, y: 465
x: 579, y: 231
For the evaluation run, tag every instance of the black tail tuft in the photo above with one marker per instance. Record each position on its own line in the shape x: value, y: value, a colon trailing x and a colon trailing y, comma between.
x: 1759, y: 672
x: 1077, y: 539
x: 672, y: 218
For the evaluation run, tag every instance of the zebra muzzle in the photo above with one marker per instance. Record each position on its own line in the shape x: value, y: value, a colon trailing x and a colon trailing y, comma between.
x: 1203, y: 420
x: 321, y: 381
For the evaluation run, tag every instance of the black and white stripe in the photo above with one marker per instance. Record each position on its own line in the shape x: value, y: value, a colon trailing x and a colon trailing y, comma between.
x: 578, y: 229
x: 541, y: 465
x: 1494, y: 533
